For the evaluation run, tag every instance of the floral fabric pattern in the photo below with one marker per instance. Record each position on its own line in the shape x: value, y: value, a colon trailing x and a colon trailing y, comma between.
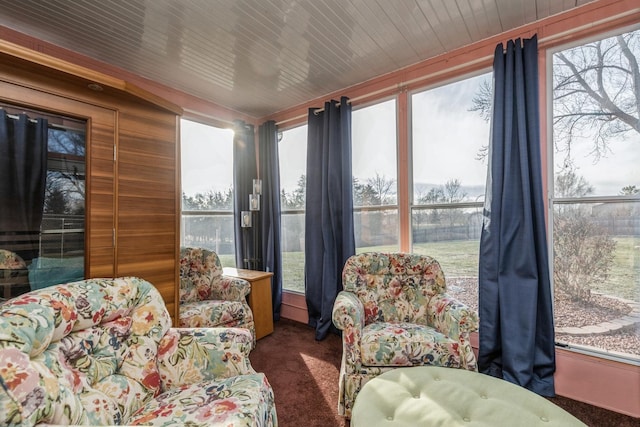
x: 213, y: 313
x: 101, y: 352
x: 10, y: 260
x: 207, y: 297
x: 394, y: 311
x: 407, y: 344
x: 242, y: 400
x: 13, y: 271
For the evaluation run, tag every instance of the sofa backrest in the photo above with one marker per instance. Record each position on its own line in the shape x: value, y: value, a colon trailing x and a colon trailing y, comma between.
x: 200, y: 271
x: 393, y: 287
x: 80, y: 353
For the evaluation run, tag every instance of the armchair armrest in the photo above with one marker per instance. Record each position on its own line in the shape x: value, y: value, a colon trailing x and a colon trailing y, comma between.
x: 451, y: 317
x: 348, y: 312
x: 230, y: 288
x: 191, y: 355
x: 348, y: 316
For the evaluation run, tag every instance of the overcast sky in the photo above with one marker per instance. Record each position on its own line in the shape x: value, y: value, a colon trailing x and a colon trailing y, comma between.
x: 442, y: 125
x: 293, y: 157
x: 447, y: 137
x: 608, y: 175
x: 205, y: 153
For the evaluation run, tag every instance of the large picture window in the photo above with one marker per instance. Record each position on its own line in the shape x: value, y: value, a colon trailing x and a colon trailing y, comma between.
x: 375, y: 177
x: 42, y: 240
x: 450, y: 135
x: 595, y: 196
x: 207, y: 189
x: 293, y: 184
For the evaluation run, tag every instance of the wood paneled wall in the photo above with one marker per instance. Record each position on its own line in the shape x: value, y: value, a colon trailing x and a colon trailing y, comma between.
x: 147, y: 191
x: 133, y: 188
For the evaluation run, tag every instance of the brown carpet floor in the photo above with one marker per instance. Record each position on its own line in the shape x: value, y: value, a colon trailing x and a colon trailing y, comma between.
x: 304, y: 375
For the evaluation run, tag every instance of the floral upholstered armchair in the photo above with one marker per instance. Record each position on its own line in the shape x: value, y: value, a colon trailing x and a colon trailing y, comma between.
x: 102, y: 352
x: 207, y: 297
x: 394, y: 311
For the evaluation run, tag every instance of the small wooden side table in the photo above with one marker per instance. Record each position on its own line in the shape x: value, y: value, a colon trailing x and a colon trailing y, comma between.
x: 259, y: 297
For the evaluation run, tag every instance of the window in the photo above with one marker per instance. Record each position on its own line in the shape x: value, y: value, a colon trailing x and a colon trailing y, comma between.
x: 375, y: 173
x: 595, y: 196
x: 54, y: 253
x: 293, y: 183
x: 449, y: 140
x: 207, y: 189
x: 64, y: 205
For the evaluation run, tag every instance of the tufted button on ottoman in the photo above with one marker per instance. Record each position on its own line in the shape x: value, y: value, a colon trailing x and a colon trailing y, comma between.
x: 446, y: 397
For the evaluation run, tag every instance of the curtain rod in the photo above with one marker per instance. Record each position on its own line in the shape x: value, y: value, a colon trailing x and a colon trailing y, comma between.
x: 400, y: 85
x: 51, y: 125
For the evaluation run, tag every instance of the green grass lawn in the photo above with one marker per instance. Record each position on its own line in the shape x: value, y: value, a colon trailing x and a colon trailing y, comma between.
x: 228, y: 260
x: 460, y: 259
x: 624, y: 277
x: 456, y: 259
x: 293, y: 271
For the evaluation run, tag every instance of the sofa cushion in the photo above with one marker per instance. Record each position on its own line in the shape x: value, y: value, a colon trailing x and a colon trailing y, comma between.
x: 101, y: 352
x: 238, y: 401
x: 407, y: 344
x: 80, y: 353
x: 214, y: 313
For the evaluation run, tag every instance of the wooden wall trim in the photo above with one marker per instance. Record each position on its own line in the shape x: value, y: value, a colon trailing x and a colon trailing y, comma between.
x: 600, y: 382
x: 294, y: 307
x: 90, y: 75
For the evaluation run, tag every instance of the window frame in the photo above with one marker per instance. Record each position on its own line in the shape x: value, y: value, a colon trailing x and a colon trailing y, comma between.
x: 227, y: 260
x: 547, y: 111
x: 382, y: 208
x: 291, y: 211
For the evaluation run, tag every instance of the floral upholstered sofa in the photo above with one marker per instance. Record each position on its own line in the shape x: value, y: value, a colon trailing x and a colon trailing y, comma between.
x: 394, y: 312
x: 102, y: 352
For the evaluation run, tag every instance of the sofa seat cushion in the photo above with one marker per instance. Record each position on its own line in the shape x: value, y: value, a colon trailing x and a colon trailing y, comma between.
x: 407, y: 344
x: 214, y: 313
x: 243, y: 400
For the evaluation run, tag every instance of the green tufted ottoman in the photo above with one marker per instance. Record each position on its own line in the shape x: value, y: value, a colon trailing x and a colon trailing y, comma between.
x: 436, y: 396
